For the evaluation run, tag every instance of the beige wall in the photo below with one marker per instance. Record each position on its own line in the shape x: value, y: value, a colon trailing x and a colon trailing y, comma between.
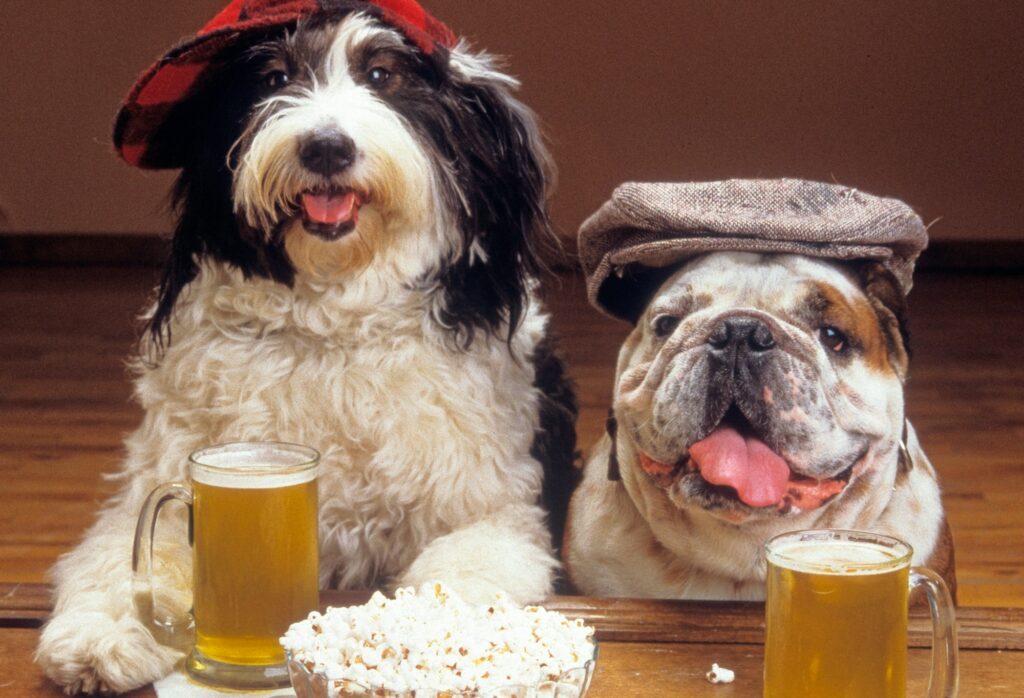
x: 65, y: 66
x: 917, y: 99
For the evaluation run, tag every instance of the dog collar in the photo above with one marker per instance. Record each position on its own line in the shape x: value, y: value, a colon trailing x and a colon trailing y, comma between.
x: 612, y: 426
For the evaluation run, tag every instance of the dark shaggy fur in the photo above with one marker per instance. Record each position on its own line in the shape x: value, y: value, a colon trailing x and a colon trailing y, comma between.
x: 499, y: 187
x: 555, y: 444
x: 477, y: 128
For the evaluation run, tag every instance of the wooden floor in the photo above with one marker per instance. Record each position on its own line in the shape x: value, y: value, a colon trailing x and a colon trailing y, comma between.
x: 65, y: 405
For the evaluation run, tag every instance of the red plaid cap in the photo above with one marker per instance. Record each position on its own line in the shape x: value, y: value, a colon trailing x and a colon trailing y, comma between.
x: 169, y: 81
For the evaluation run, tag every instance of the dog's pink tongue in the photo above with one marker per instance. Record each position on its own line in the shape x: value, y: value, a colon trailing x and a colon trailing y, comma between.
x: 331, y: 209
x: 746, y: 464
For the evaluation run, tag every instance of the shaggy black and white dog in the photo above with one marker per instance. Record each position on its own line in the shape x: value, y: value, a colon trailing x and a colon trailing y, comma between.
x: 354, y: 268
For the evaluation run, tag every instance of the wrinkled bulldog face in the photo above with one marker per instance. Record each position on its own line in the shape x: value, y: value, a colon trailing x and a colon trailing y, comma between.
x: 763, y: 385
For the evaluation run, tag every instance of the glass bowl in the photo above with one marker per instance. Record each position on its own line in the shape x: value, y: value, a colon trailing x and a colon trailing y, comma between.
x: 574, y: 683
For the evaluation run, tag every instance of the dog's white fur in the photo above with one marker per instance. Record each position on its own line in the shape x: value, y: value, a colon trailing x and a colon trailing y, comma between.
x: 404, y: 227
x: 633, y: 538
x: 426, y: 470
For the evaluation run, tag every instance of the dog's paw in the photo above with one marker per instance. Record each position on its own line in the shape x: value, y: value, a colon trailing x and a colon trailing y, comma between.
x: 480, y: 560
x: 91, y: 652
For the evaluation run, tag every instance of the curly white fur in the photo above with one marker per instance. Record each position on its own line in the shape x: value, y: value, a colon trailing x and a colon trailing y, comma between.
x: 426, y: 468
x: 426, y: 471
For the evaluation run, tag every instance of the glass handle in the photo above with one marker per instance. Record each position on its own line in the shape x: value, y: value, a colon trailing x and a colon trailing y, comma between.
x: 160, y: 610
x: 945, y: 677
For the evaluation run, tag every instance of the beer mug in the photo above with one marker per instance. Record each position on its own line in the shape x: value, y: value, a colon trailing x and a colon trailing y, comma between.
x: 836, y: 615
x: 253, y: 532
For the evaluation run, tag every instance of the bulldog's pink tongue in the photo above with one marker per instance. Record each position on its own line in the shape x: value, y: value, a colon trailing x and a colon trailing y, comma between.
x: 758, y: 474
x: 331, y: 209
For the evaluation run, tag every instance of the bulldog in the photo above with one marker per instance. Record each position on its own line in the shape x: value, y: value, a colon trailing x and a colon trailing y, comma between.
x: 757, y: 394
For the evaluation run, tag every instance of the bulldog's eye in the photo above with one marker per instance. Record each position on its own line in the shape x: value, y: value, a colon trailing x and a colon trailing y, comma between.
x: 275, y: 80
x: 664, y: 325
x: 834, y: 339
x: 378, y: 75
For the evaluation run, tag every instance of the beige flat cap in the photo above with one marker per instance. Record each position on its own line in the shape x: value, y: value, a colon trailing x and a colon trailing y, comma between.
x: 638, y: 237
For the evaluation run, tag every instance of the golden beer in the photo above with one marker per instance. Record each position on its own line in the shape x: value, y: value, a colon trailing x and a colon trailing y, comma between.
x: 255, y: 557
x: 255, y: 560
x: 837, y: 621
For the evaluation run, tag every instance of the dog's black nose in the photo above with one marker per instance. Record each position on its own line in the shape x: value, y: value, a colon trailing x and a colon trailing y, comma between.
x: 741, y: 334
x: 327, y: 152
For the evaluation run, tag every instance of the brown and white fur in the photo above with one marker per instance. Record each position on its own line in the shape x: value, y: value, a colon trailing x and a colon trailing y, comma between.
x: 406, y: 343
x: 806, y: 356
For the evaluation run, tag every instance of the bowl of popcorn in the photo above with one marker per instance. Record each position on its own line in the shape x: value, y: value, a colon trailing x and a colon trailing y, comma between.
x: 428, y: 643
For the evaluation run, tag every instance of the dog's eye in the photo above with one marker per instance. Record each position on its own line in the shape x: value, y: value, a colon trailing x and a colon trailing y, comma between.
x: 834, y: 339
x: 275, y: 80
x: 664, y: 325
x: 378, y: 75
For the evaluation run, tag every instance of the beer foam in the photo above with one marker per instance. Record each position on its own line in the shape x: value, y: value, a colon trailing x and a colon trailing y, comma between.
x: 835, y: 557
x: 254, y: 466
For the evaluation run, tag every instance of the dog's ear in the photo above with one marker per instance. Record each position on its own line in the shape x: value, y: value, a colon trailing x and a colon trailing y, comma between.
x: 886, y: 296
x: 499, y: 183
x: 203, y: 128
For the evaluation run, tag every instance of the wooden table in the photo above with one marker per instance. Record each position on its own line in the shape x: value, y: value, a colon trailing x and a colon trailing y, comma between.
x: 647, y: 648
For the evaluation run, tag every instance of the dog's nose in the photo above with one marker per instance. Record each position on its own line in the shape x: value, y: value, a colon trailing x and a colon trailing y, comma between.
x: 741, y: 334
x: 327, y: 152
